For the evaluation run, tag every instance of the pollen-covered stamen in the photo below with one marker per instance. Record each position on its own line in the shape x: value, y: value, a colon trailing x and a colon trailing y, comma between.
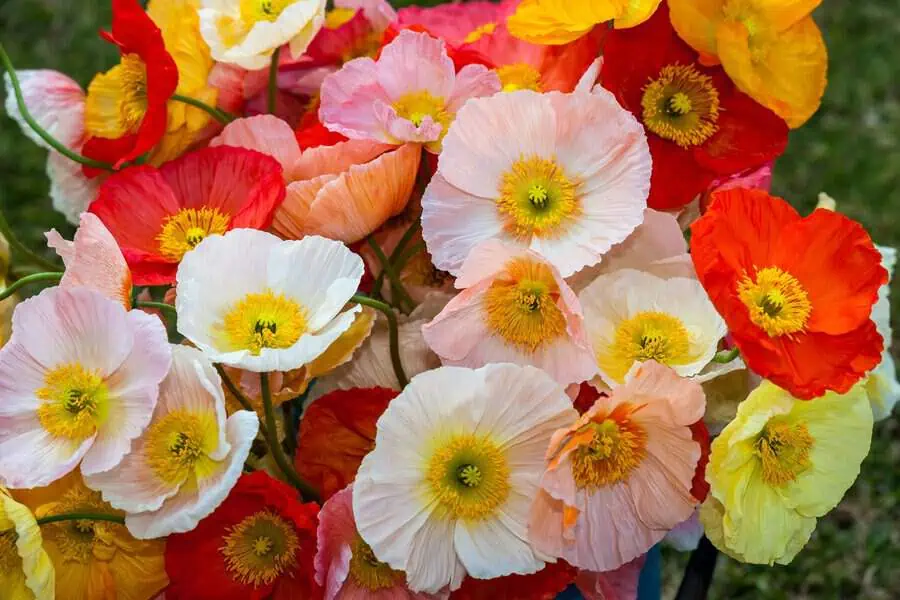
x: 648, y: 335
x: 78, y: 541
x: 178, y: 443
x: 681, y: 105
x: 776, y: 301
x: 784, y: 451
x: 368, y: 572
x: 182, y: 231
x: 520, y: 76
x: 537, y: 198
x: 253, y: 11
x: 468, y: 476
x: 260, y: 548
x: 416, y: 106
x: 75, y: 402
x: 612, y: 447
x: 265, y: 320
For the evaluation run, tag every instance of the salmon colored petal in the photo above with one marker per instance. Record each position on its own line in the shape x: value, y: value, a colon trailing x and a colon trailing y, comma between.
x: 790, y: 79
x: 291, y: 217
x: 264, y: 133
x: 334, y: 160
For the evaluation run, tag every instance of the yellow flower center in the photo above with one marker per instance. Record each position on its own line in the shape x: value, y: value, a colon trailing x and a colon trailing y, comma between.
x: 777, y: 302
x: 75, y: 402
x: 263, y: 320
x: 117, y: 100
x: 648, y: 335
x: 537, y: 198
x: 682, y: 105
x: 254, y: 11
x: 415, y: 106
x: 178, y: 445
x: 784, y: 450
x: 10, y: 561
x: 468, y: 476
x: 182, y: 231
x: 520, y: 306
x: 338, y: 16
x: 520, y: 76
x: 368, y: 572
x: 479, y: 32
x: 84, y: 541
x: 616, y: 446
x: 260, y: 548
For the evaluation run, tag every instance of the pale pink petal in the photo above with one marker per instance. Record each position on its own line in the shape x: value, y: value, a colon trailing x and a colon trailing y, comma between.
x: 401, y: 130
x: 31, y: 457
x: 416, y: 62
x: 670, y: 465
x: 334, y: 160
x: 55, y: 101
x: 486, y: 260
x: 335, y: 534
x: 229, y: 80
x: 452, y: 21
x: 70, y: 190
x: 348, y: 101
x: 379, y: 13
x: 672, y: 399
x: 473, y: 81
x: 685, y: 536
x: 618, y: 584
x: 264, y: 133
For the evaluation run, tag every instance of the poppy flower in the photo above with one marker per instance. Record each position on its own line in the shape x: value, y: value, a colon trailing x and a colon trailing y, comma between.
x: 546, y: 584
x: 27, y: 570
x: 126, y: 107
x: 796, y: 293
x: 336, y: 433
x: 157, y: 215
x: 699, y: 125
x: 562, y: 21
x: 260, y: 543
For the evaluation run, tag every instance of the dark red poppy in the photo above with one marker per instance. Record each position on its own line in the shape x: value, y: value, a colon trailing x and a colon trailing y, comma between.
x: 546, y: 584
x: 699, y: 486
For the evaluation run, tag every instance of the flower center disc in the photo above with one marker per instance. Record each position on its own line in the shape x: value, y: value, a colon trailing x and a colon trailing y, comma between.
x: 254, y: 11
x: 776, y: 301
x: 520, y: 76
x: 260, y: 548
x: 537, y: 199
x: 611, y: 448
x: 370, y: 573
x: 784, y: 450
x: 263, y: 320
x: 75, y: 402
x: 184, y: 230
x: 416, y: 106
x: 681, y: 105
x: 178, y: 443
x: 648, y: 335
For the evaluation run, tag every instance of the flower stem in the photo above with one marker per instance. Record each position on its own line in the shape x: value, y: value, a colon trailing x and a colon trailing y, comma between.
x: 399, y: 293
x: 81, y: 517
x: 393, y: 333
x: 166, y: 308
x: 17, y: 245
x: 242, y: 399
x: 726, y: 356
x: 306, y: 490
x: 40, y: 131
x: 398, y: 251
x: 216, y: 113
x: 29, y: 279
x: 273, y: 81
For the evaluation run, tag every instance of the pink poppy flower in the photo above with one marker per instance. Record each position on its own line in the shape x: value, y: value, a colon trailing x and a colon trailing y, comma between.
x: 411, y: 94
x: 621, y: 476
x: 342, y: 192
x: 345, y: 565
x: 564, y: 175
x: 79, y: 380
x: 618, y: 584
x: 453, y: 21
x: 515, y: 308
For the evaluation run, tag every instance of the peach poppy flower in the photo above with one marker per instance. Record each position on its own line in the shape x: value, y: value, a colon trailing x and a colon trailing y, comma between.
x: 343, y: 192
x: 621, y: 476
x: 515, y: 308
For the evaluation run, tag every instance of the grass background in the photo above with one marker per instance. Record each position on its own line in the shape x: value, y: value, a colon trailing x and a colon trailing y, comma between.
x: 851, y: 149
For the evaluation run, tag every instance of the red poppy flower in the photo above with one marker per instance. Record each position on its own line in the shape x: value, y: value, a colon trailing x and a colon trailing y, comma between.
x: 546, y: 584
x: 259, y: 544
x: 336, y: 433
x: 699, y: 126
x: 157, y: 215
x: 699, y: 486
x: 125, y: 110
x: 311, y: 133
x: 795, y: 292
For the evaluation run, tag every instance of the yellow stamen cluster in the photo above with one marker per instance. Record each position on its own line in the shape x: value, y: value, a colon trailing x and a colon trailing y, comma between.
x: 265, y: 320
x: 616, y: 447
x: 416, y: 106
x: 182, y: 231
x: 83, y: 541
x: 75, y: 402
x: 260, y: 548
x: 681, y: 105
x: 254, y: 11
x: 783, y: 450
x: 368, y: 572
x: 537, y: 198
x: 648, y: 335
x: 468, y: 476
x: 117, y: 100
x: 520, y: 76
x: 178, y: 445
x: 777, y: 302
x: 520, y: 306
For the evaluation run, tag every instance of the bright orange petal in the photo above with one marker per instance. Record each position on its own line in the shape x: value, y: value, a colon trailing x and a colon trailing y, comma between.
x: 696, y: 22
x: 635, y: 13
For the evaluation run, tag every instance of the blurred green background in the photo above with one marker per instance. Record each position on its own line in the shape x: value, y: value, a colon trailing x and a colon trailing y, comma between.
x: 850, y: 149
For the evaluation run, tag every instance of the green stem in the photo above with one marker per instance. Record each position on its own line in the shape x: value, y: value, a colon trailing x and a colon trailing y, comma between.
x: 412, y: 251
x: 393, y: 334
x: 273, y: 81
x: 216, y: 113
x: 81, y: 517
x: 242, y: 399
x: 166, y: 308
x: 398, y: 250
x: 726, y: 356
x: 308, y: 493
x: 22, y: 249
x: 399, y: 292
x: 40, y: 131
x: 29, y: 279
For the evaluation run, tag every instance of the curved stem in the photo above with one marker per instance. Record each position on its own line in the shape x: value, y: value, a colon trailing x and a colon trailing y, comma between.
x: 29, y: 279
x: 40, y: 131
x: 306, y: 490
x: 216, y: 113
x: 242, y: 399
x: 273, y: 81
x: 399, y: 294
x: 412, y: 251
x: 398, y: 251
x: 81, y: 517
x: 726, y: 356
x: 393, y: 334
x: 166, y: 308
x: 22, y: 249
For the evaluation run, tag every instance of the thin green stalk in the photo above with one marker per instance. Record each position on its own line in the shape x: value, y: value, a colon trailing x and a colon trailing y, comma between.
x: 725, y: 357
x: 166, y: 308
x: 40, y: 131
x: 16, y: 244
x: 393, y: 334
x: 399, y: 293
x: 81, y: 517
x: 216, y: 113
x: 273, y: 81
x: 239, y: 395
x: 406, y: 256
x: 27, y: 280
x: 398, y: 250
x: 284, y: 465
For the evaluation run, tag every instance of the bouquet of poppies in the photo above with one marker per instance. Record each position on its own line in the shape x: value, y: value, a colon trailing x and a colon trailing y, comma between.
x: 475, y: 301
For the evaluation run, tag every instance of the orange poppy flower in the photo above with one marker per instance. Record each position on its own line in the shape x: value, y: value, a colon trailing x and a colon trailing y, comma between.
x: 795, y: 292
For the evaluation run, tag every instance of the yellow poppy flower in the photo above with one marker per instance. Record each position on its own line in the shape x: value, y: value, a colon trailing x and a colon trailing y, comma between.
x: 556, y: 22
x: 26, y: 572
x: 778, y: 466
x: 771, y: 49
